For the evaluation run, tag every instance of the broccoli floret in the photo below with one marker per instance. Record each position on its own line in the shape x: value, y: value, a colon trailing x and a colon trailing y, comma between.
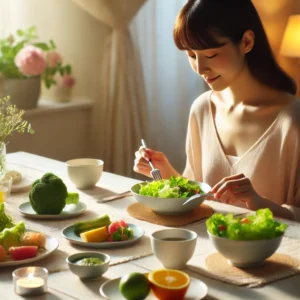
x: 49, y: 195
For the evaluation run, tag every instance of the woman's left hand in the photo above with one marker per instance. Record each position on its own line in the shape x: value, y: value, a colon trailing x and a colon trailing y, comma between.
x: 237, y: 188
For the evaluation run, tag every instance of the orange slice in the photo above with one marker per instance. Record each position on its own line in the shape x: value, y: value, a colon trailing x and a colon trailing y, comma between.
x: 169, y: 284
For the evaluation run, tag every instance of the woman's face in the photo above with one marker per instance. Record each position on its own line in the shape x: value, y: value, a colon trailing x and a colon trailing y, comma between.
x: 219, y: 67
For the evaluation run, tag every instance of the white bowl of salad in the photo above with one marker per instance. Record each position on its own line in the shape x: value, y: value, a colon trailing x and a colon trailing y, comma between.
x: 248, y: 241
x: 168, y: 195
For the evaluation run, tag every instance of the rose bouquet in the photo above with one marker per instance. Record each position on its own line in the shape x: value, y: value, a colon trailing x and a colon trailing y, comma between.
x: 22, y: 56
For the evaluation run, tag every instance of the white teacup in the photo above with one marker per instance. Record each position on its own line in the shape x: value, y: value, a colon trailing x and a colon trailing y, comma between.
x: 84, y: 172
x: 174, y: 247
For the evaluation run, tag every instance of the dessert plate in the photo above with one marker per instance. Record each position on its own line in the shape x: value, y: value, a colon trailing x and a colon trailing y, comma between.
x: 110, y: 290
x: 69, y: 211
x: 70, y: 235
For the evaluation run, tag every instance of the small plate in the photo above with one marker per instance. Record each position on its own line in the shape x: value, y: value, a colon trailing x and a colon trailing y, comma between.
x: 69, y: 211
x: 70, y: 235
x: 23, y: 186
x: 51, y: 246
x: 110, y: 290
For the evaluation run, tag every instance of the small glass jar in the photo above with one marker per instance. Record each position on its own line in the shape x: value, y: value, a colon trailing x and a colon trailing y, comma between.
x: 30, y: 281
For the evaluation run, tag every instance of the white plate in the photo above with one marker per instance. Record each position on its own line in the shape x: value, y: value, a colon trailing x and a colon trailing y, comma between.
x: 110, y: 290
x: 70, y: 235
x: 22, y: 186
x: 69, y: 211
x: 51, y: 246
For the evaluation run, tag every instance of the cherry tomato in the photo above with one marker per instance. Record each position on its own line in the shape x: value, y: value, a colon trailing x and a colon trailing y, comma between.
x: 222, y: 227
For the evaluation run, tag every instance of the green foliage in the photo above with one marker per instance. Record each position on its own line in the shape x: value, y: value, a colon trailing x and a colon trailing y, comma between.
x: 10, y: 46
x: 48, y: 195
x: 11, y: 120
x: 175, y: 187
x: 254, y: 227
x: 5, y: 220
x: 11, y: 237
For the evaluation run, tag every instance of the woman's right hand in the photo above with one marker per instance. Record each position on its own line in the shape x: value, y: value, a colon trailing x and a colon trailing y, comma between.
x: 158, y: 159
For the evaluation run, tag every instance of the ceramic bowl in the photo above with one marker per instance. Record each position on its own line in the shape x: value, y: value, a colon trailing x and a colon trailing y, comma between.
x: 245, y: 253
x: 169, y: 206
x: 173, y: 247
x: 84, y: 172
x: 88, y: 272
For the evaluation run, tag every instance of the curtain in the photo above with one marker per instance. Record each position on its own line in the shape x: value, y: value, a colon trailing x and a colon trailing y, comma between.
x: 171, y: 85
x: 121, y: 117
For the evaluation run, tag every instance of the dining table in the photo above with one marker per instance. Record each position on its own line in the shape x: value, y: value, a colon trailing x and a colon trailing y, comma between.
x: 138, y: 257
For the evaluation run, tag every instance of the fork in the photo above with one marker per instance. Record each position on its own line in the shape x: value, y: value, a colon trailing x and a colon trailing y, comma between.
x: 155, y: 173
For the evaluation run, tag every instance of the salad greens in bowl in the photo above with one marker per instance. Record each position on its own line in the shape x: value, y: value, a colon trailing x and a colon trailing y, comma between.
x: 167, y: 196
x: 247, y: 241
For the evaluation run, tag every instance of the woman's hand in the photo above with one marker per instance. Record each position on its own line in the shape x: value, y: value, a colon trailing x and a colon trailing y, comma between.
x: 237, y: 188
x: 158, y: 159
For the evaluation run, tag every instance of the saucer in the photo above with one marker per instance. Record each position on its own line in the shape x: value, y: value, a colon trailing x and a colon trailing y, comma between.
x: 110, y: 290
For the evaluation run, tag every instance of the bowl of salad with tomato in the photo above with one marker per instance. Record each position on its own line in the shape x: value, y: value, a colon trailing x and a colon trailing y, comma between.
x: 167, y: 196
x: 245, y: 241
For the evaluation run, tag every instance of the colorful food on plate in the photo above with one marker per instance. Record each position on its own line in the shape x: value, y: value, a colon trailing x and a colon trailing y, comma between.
x: 49, y: 195
x: 23, y: 252
x: 89, y: 261
x: 34, y: 239
x: 134, y: 286
x: 15, y: 242
x: 175, y: 187
x: 103, y: 230
x: 80, y: 227
x: 169, y: 284
x: 253, y: 227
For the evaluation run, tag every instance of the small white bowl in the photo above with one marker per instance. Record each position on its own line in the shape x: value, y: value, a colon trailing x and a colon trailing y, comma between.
x: 169, y: 206
x: 244, y: 254
x: 84, y: 172
x: 88, y: 272
x: 173, y: 247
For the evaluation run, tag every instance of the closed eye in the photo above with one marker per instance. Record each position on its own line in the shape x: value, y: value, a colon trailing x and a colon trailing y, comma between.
x: 211, y: 56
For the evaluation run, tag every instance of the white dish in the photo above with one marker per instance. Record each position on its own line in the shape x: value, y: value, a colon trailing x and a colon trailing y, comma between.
x: 70, y: 235
x: 69, y: 211
x: 110, y: 290
x: 22, y: 186
x: 51, y: 246
x: 170, y: 206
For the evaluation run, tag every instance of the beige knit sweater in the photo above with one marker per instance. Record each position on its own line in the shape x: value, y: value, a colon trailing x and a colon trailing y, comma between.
x: 272, y: 163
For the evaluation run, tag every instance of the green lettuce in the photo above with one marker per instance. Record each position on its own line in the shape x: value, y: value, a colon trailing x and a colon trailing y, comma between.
x: 5, y: 220
x: 11, y: 237
x: 175, y: 187
x: 254, y: 227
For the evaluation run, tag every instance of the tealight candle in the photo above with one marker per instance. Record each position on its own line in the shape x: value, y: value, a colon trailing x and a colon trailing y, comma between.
x: 30, y: 281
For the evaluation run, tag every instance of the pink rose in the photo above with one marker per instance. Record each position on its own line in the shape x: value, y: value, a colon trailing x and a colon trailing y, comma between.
x: 31, y: 61
x: 53, y: 59
x: 67, y: 81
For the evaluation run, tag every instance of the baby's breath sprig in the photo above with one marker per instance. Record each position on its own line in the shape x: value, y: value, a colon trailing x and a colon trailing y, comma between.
x: 11, y: 120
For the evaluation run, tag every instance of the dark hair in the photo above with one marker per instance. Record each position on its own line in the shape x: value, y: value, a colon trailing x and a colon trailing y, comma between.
x: 200, y: 22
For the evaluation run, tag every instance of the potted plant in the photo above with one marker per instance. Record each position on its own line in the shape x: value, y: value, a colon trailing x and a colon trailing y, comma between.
x: 11, y: 120
x: 24, y: 62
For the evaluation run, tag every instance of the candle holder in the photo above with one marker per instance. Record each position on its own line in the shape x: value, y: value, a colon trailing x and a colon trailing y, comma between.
x: 30, y: 281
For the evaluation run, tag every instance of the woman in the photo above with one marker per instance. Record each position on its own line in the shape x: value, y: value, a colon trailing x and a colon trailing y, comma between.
x: 243, y: 136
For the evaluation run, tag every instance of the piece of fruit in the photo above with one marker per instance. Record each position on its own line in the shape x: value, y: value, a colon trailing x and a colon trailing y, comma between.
x: 23, y: 252
x: 34, y: 239
x: 2, y: 196
x: 169, y: 284
x: 95, y: 236
x: 134, y: 286
x: 2, y: 253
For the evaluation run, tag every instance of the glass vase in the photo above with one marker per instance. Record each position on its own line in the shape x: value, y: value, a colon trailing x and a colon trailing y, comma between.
x: 2, y: 159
